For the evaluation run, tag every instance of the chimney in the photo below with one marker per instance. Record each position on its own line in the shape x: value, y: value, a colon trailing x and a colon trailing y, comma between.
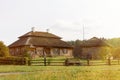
x: 33, y: 29
x: 47, y: 30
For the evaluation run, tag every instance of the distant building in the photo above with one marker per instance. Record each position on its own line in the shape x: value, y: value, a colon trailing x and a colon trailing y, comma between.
x: 96, y: 48
x: 40, y: 43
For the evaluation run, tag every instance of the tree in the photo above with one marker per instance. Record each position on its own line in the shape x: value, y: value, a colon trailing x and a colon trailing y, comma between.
x: 26, y: 53
x: 116, y: 53
x: 4, y: 51
x: 115, y: 42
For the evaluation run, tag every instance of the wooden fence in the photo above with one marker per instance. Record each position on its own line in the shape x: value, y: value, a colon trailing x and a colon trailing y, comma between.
x: 12, y: 62
x: 45, y: 63
x: 8, y: 61
x: 99, y: 62
x: 58, y: 62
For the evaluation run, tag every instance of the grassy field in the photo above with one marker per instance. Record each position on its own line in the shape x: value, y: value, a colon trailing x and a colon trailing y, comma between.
x: 61, y: 72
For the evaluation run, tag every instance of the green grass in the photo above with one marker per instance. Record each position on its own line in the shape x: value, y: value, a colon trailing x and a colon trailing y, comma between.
x: 62, y: 72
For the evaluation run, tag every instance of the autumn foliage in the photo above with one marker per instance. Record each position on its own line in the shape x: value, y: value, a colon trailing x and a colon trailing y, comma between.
x: 4, y: 51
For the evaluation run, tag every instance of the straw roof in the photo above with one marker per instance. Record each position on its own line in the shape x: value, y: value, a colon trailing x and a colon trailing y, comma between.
x: 42, y: 39
x: 40, y: 34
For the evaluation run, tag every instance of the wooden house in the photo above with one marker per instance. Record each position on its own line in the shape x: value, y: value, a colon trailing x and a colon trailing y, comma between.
x: 38, y: 43
x: 96, y: 48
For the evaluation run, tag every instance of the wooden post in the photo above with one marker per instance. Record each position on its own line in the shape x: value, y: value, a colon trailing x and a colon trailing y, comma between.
x: 88, y: 59
x: 66, y: 62
x: 44, y: 61
x: 118, y: 61
x: 29, y: 63
x: 88, y: 62
x: 109, y: 61
x: 44, y: 55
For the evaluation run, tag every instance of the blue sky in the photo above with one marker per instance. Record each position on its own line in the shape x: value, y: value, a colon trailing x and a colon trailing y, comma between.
x: 65, y: 18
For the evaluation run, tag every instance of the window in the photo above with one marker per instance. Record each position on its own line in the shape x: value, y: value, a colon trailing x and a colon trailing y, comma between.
x: 56, y: 51
x: 65, y: 51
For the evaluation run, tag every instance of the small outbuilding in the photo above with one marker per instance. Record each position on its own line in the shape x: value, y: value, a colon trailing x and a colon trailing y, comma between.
x: 93, y: 48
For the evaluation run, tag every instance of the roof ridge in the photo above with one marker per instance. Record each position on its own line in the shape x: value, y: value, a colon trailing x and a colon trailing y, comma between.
x: 27, y: 42
x: 40, y: 34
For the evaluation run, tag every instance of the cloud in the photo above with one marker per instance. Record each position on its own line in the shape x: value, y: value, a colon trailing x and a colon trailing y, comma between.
x: 68, y: 30
x: 67, y: 26
x: 72, y: 30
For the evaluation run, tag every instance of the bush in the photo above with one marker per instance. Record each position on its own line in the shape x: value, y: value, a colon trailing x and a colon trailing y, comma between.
x: 72, y: 61
x: 4, y: 51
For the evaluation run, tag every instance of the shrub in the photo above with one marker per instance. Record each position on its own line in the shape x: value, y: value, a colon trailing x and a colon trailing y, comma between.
x: 4, y: 51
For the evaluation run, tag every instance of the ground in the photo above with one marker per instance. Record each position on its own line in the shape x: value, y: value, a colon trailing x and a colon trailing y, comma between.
x: 60, y: 72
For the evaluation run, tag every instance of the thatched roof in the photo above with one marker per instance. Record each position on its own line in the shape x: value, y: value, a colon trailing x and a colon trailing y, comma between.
x: 42, y: 39
x: 94, y: 42
x: 40, y: 34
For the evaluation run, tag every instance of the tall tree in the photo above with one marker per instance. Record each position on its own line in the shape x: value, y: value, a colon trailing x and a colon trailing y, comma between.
x: 115, y: 42
x: 4, y: 51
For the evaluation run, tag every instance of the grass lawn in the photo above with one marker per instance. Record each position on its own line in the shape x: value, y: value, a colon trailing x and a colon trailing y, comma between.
x: 61, y: 72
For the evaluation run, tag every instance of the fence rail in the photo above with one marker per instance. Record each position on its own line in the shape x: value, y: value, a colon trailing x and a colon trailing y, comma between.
x: 12, y: 62
x: 80, y: 63
x: 47, y: 63
x: 57, y: 62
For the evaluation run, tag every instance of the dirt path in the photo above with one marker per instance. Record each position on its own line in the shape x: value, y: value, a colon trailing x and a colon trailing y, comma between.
x: 12, y: 73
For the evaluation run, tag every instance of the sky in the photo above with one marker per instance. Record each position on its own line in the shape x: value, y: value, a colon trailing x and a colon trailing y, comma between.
x: 65, y: 18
